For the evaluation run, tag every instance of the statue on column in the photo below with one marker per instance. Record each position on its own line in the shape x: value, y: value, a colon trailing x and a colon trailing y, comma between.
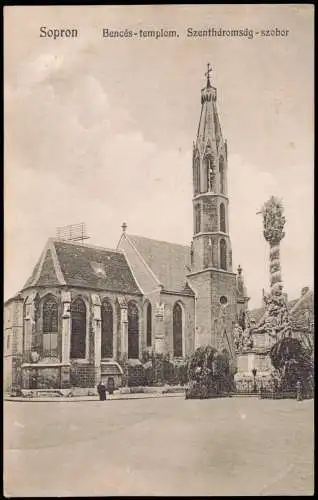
x: 276, y: 319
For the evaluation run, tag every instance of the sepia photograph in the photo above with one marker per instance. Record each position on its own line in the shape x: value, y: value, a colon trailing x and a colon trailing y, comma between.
x: 158, y: 250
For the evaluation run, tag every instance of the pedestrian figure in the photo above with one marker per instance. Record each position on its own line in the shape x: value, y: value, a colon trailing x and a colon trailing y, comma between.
x: 101, y: 389
x: 298, y: 390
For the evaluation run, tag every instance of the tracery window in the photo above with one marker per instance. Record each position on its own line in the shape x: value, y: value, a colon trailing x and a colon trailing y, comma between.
x: 222, y: 175
x: 149, y: 325
x: 197, y: 218
x: 133, y: 331
x: 210, y: 171
x: 107, y: 329
x: 197, y: 176
x: 177, y: 331
x: 78, y: 334
x: 223, y: 254
x: 222, y: 218
x: 49, y: 327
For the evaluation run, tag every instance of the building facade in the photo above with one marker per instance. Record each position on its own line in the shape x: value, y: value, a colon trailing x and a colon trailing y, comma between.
x: 87, y: 310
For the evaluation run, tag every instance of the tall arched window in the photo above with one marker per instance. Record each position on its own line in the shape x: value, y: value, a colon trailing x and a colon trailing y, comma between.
x: 197, y: 176
x: 107, y: 330
x: 222, y: 175
x: 222, y: 218
x: 149, y: 325
x: 197, y: 218
x: 223, y: 254
x: 210, y: 171
x: 49, y: 326
x: 78, y: 332
x: 133, y: 331
x: 177, y: 331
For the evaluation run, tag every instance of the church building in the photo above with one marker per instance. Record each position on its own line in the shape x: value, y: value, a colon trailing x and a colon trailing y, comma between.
x: 85, y: 308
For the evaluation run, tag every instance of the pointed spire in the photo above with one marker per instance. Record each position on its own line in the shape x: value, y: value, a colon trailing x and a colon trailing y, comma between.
x: 209, y: 131
x: 240, y: 282
x: 207, y: 74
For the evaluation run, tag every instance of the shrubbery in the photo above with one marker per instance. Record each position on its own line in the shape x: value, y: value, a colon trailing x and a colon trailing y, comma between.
x: 293, y: 362
x: 162, y: 369
x: 209, y: 373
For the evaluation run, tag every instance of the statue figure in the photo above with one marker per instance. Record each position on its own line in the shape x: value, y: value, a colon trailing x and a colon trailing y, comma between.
x: 238, y: 336
x: 276, y: 320
x: 274, y: 221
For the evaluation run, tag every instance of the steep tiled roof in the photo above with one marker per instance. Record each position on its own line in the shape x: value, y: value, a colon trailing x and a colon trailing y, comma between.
x: 47, y: 275
x: 84, y: 266
x: 167, y: 261
x: 34, y: 273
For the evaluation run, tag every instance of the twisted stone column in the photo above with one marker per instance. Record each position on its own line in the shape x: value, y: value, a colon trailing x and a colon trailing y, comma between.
x: 277, y: 321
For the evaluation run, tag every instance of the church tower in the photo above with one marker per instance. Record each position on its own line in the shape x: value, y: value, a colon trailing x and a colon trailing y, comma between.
x: 211, y: 254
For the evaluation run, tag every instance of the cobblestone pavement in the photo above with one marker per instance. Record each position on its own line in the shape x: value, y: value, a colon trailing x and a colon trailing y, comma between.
x: 159, y: 446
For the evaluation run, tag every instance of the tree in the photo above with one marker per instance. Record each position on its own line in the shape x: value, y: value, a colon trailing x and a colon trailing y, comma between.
x: 209, y: 373
x: 293, y: 362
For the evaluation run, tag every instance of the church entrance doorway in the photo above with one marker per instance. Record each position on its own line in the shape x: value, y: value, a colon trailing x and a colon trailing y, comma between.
x: 133, y: 331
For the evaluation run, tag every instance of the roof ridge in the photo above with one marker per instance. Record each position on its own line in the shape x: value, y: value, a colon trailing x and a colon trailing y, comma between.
x: 98, y: 247
x: 126, y: 236
x: 158, y: 241
x: 56, y: 263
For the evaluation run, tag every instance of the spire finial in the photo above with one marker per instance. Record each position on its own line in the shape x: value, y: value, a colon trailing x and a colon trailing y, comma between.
x: 239, y: 270
x: 207, y: 74
x: 124, y: 227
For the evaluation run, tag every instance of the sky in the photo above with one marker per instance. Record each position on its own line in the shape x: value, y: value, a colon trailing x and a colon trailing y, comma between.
x: 100, y: 130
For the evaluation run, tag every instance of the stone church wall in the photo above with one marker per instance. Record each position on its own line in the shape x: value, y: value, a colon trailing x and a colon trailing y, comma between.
x: 188, y: 306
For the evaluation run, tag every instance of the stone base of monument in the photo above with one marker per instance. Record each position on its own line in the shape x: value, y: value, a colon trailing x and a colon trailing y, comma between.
x: 254, y: 372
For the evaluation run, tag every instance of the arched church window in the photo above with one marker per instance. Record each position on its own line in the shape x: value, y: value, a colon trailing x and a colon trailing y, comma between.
x: 49, y: 326
x: 50, y: 315
x: 197, y: 176
x: 107, y: 329
x: 149, y: 325
x: 78, y: 329
x: 197, y: 218
x: 177, y: 330
x: 223, y: 254
x: 133, y: 331
x: 222, y: 175
x: 222, y: 218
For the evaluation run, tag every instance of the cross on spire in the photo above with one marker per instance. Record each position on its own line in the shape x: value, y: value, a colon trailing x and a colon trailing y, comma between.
x: 207, y: 74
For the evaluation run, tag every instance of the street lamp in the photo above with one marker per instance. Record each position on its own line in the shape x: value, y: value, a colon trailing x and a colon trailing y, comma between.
x: 254, y: 371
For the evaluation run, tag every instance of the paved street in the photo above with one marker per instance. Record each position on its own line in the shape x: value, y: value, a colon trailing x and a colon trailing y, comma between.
x: 236, y: 446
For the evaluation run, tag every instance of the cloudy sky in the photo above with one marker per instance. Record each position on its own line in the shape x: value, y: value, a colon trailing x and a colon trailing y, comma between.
x: 101, y: 130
